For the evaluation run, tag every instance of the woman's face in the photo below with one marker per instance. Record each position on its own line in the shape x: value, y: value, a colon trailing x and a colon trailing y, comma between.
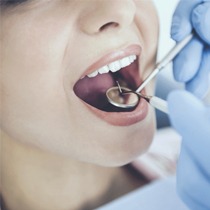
x: 48, y: 101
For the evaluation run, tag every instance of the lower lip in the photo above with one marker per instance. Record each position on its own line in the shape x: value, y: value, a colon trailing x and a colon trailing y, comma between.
x: 123, y: 118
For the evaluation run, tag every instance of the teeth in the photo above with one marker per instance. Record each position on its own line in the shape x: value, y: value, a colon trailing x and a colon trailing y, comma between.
x: 93, y: 74
x: 114, y: 66
x: 125, y: 62
x: 132, y: 58
x: 103, y: 70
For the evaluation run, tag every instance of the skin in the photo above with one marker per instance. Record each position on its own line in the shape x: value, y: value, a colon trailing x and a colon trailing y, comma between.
x: 47, y: 134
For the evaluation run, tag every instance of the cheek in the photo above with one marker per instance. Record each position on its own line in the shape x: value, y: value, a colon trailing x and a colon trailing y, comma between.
x: 32, y: 71
x: 31, y: 90
x: 35, y: 108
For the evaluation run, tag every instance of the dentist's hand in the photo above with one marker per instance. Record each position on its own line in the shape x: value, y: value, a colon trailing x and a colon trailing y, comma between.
x: 191, y: 119
x: 192, y: 65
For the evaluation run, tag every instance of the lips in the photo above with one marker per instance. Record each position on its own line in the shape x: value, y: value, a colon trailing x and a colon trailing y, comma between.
x: 121, y: 66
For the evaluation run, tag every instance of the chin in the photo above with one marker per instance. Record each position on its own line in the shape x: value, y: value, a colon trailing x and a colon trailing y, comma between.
x: 129, y: 147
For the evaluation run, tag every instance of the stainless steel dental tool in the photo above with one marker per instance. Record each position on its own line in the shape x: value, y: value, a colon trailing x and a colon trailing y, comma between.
x: 122, y: 97
x: 125, y: 98
x: 166, y: 60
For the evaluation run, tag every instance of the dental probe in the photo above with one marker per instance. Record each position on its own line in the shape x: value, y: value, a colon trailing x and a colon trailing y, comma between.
x: 167, y: 59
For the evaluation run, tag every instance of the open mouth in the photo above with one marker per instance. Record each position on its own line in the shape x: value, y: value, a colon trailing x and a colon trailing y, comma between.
x: 92, y: 88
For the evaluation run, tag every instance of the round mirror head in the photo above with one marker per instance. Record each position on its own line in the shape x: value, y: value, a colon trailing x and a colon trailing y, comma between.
x: 123, y: 97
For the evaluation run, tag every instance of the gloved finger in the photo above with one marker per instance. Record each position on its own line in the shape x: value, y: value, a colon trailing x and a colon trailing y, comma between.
x: 192, y: 183
x: 187, y: 62
x: 200, y: 84
x: 181, y: 22
x: 191, y: 119
x: 184, y: 107
x: 201, y: 21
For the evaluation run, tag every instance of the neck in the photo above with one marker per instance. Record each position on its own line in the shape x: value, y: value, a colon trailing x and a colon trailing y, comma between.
x: 31, y: 178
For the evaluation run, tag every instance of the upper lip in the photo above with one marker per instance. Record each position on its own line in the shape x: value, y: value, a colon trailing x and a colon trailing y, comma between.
x: 113, y: 56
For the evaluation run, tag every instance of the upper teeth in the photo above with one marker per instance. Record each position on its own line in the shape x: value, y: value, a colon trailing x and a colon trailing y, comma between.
x: 114, y: 66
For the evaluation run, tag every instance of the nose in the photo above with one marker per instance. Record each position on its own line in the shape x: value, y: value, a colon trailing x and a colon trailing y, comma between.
x: 101, y: 15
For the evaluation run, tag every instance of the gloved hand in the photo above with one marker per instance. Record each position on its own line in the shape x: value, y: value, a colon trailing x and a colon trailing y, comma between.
x: 191, y: 119
x: 192, y: 65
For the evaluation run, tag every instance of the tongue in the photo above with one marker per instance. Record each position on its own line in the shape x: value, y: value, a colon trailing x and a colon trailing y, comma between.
x: 93, y: 90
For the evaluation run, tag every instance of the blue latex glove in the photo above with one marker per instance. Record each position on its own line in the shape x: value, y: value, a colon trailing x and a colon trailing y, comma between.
x: 191, y: 119
x: 192, y: 65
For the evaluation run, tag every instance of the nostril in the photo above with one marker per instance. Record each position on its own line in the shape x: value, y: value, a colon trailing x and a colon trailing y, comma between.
x: 108, y: 25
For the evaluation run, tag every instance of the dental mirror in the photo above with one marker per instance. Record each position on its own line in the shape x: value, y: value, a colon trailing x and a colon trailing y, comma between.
x: 122, y: 97
x: 126, y: 98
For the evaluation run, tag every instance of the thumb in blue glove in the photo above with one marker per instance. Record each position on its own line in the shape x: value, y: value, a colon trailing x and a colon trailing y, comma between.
x: 192, y: 65
x: 191, y: 119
